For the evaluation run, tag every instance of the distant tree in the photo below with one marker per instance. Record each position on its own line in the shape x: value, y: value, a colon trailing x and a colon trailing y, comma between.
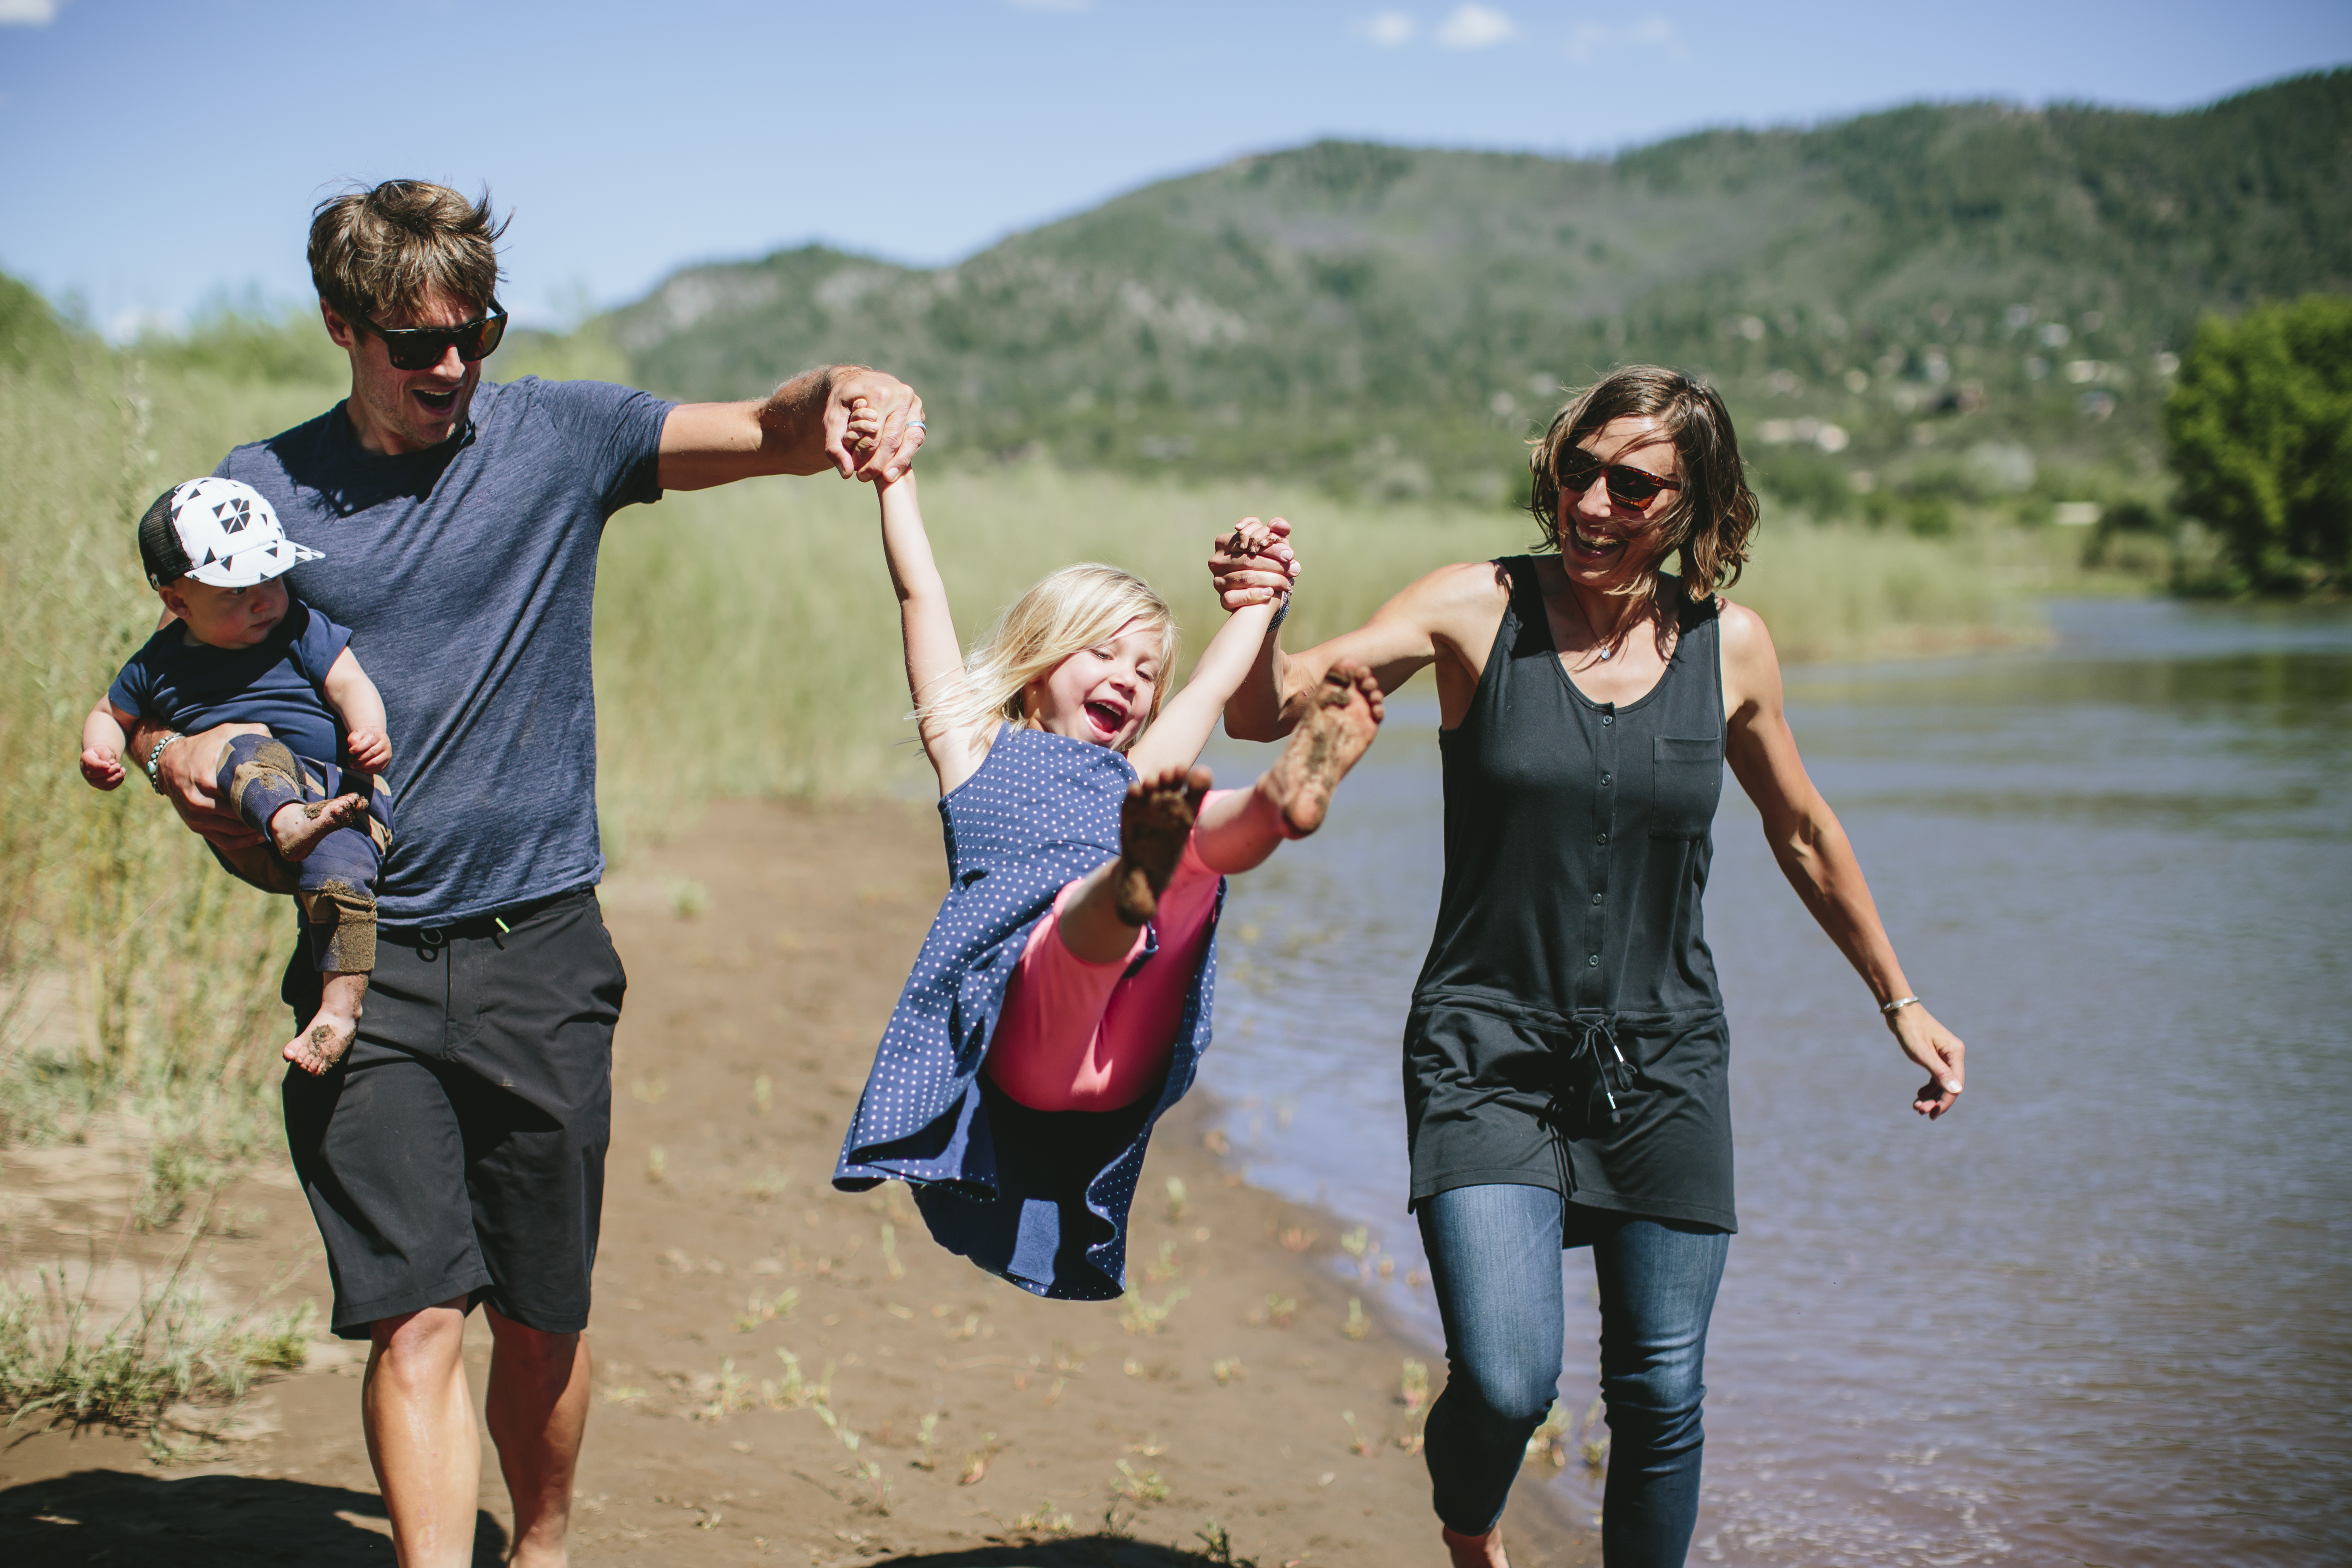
x: 2260, y: 432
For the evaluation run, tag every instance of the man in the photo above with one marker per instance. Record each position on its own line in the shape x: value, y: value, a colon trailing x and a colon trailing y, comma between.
x: 455, y: 1156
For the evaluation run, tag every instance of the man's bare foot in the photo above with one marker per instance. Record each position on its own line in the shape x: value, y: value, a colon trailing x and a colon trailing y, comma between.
x: 1154, y: 821
x: 1476, y: 1551
x: 321, y: 1043
x: 297, y: 827
x: 1337, y: 731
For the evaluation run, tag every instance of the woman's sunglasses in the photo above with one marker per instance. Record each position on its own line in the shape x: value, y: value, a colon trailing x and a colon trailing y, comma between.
x: 1628, y: 486
x: 422, y: 348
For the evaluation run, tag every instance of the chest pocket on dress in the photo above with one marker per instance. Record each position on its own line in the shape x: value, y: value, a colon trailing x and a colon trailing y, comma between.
x: 1686, y: 784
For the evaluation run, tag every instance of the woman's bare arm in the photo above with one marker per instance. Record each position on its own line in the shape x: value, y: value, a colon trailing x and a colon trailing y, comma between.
x: 1446, y: 618
x: 1815, y: 854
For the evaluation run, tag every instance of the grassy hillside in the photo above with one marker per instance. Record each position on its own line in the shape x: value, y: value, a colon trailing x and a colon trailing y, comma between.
x: 1963, y: 295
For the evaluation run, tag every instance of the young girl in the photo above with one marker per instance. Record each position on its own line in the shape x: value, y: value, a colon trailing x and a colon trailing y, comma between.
x: 1061, y: 1002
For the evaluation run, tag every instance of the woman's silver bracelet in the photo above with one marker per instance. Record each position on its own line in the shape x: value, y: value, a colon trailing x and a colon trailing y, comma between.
x: 1891, y: 1008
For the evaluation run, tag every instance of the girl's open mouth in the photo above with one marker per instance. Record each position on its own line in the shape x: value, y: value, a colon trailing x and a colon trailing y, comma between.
x: 1105, y: 718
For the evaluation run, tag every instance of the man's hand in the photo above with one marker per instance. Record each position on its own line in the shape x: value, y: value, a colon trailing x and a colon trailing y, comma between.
x: 1254, y: 564
x: 890, y: 417
x: 102, y: 767
x: 186, y: 776
x: 370, y: 749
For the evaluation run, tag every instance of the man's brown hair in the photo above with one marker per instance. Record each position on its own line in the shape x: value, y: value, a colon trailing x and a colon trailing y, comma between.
x: 1714, y: 512
x: 378, y: 252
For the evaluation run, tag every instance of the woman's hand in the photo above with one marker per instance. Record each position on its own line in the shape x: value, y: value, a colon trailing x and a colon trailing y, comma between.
x: 1254, y: 564
x: 1938, y: 1050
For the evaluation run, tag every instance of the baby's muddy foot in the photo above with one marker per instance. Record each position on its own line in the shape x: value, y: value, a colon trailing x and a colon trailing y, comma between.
x: 321, y: 1043
x: 1337, y: 731
x: 1154, y: 821
x: 297, y: 828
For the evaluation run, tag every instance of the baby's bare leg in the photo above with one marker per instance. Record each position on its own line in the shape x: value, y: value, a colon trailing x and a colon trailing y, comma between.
x: 1100, y: 921
x: 325, y: 1039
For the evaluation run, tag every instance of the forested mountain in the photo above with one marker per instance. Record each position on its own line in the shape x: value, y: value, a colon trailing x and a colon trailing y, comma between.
x: 1896, y: 289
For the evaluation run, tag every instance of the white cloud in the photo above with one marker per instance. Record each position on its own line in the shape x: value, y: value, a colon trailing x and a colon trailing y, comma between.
x: 1390, y: 29
x: 27, y: 13
x: 1589, y: 38
x: 1476, y: 27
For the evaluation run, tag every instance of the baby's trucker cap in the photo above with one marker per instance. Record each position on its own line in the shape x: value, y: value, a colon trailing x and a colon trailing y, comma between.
x: 220, y: 532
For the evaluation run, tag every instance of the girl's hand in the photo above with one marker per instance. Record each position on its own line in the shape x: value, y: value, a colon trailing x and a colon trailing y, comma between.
x: 1254, y: 565
x: 1938, y: 1050
x: 862, y: 432
x: 102, y: 767
x: 371, y: 750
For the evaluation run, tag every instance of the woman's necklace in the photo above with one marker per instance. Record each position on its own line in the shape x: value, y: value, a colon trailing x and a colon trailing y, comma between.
x: 1599, y: 645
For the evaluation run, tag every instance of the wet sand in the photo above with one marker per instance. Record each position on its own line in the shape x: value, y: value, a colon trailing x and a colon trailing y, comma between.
x: 765, y: 950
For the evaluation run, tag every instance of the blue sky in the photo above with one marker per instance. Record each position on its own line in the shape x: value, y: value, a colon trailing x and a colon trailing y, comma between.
x: 158, y: 154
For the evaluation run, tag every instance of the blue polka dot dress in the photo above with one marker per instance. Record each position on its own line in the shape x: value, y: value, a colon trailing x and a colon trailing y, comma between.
x: 1038, y: 1197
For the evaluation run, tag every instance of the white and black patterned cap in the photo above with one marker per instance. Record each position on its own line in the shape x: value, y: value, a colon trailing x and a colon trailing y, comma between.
x: 221, y: 532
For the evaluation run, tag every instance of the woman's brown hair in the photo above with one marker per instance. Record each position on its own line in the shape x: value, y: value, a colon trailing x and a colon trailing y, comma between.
x: 376, y: 252
x: 1714, y: 512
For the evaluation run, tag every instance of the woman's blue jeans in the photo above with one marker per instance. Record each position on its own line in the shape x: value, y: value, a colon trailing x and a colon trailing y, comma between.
x: 1493, y: 1258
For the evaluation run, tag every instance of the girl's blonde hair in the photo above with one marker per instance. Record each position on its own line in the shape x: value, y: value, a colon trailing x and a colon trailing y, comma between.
x: 1064, y: 612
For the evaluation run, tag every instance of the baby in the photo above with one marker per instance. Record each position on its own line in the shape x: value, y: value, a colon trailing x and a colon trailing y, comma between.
x: 242, y: 651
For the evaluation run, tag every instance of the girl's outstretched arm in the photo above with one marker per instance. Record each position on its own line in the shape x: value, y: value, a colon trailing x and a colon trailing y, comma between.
x: 934, y: 659
x: 1190, y: 717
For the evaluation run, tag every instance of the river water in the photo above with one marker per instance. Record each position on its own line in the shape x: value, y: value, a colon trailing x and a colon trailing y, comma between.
x: 2100, y: 1314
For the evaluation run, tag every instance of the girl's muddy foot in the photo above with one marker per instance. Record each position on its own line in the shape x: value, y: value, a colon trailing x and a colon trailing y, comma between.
x: 1337, y: 731
x: 321, y: 1043
x: 1154, y: 821
x: 296, y: 829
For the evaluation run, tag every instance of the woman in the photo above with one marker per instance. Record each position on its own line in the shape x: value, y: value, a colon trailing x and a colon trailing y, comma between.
x: 1565, y: 1058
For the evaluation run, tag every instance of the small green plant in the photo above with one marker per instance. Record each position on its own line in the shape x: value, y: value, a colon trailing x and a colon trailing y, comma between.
x: 764, y: 1093
x: 896, y: 1269
x: 768, y: 1185
x: 1138, y: 1316
x: 926, y: 1436
x: 1219, y: 1546
x: 1353, y: 1242
x: 1278, y: 1311
x: 657, y: 1165
x: 780, y: 1306
x: 793, y: 1390
x: 1593, y: 1438
x: 1358, y: 1325
x: 1045, y: 1519
x: 1229, y: 1369
x: 1166, y: 1268
x: 1357, y: 1443
x: 1175, y: 1198
x: 1143, y: 1486
x: 1412, y: 1385
x: 730, y: 1392
x: 688, y: 899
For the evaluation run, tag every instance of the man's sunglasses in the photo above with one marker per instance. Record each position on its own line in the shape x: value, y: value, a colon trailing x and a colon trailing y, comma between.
x: 422, y: 348
x: 1628, y: 486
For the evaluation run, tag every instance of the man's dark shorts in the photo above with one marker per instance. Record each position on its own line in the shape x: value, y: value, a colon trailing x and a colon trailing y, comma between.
x: 458, y: 1149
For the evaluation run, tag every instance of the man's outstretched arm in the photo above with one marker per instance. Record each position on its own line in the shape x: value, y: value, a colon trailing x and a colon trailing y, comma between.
x: 800, y: 428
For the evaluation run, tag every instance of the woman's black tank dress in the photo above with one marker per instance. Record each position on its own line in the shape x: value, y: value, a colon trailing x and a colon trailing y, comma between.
x: 1567, y: 1030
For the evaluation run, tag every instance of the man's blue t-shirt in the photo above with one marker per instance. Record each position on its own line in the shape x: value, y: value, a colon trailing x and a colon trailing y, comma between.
x: 280, y: 681
x: 467, y: 575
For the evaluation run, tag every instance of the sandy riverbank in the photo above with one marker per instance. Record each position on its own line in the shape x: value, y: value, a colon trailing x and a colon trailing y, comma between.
x: 741, y: 1301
